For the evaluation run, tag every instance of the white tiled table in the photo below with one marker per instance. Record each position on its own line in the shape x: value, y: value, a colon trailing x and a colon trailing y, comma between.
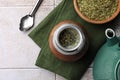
x: 18, y: 52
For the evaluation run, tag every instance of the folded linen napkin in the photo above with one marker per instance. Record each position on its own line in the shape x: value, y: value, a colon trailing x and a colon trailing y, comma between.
x: 69, y: 70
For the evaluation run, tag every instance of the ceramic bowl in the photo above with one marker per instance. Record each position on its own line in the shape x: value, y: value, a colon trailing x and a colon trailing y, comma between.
x: 68, y: 53
x: 95, y: 21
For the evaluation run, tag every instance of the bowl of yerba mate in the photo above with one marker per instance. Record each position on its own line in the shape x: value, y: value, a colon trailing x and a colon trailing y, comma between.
x: 97, y: 11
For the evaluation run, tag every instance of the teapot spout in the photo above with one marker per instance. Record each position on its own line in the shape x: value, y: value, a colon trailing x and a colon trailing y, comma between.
x: 111, y: 37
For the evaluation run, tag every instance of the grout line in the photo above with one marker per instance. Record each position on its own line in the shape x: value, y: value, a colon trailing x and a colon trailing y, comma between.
x: 30, y: 68
x: 21, y: 6
x: 19, y: 68
x: 55, y: 76
x: 54, y: 7
x: 54, y: 3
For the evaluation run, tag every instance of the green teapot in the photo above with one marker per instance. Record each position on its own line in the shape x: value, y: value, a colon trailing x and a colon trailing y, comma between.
x: 107, y: 61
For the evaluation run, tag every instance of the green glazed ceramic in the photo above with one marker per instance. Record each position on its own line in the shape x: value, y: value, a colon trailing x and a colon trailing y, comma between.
x: 107, y: 61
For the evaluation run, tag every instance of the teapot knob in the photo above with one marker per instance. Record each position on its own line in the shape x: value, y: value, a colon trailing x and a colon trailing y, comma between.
x: 110, y: 33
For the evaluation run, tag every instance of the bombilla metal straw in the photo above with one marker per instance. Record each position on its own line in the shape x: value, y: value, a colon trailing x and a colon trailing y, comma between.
x: 36, y: 7
x: 27, y: 22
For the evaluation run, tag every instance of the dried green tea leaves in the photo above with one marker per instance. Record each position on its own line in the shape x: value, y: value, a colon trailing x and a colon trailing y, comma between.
x: 69, y: 38
x: 97, y: 9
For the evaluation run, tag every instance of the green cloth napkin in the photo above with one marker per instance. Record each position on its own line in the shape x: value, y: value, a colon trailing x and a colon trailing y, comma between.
x: 69, y: 70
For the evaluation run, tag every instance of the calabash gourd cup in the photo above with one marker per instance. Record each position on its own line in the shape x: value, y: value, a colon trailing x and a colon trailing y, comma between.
x: 65, y: 53
x: 96, y: 21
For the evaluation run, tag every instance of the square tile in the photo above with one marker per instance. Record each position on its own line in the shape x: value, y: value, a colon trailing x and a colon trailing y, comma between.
x: 17, y: 50
x: 26, y: 74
